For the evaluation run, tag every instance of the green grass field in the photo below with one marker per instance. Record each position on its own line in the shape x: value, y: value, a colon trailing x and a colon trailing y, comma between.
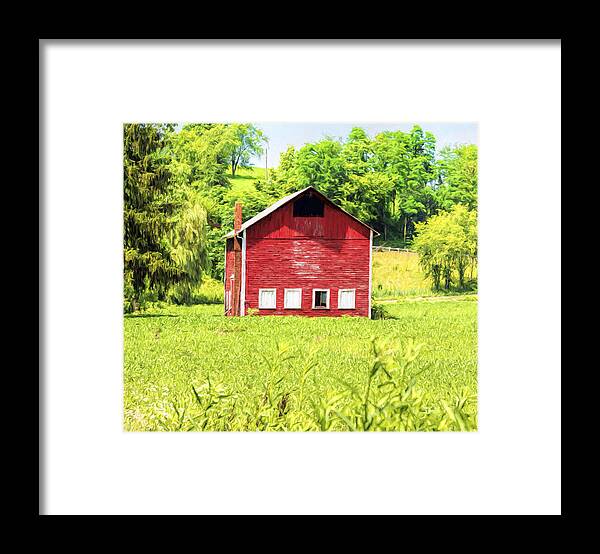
x: 191, y: 368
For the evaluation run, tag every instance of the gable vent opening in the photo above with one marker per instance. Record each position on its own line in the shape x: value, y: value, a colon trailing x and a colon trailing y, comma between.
x: 308, y: 206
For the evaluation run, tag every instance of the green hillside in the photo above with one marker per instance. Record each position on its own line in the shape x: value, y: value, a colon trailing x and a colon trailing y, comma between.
x: 244, y: 179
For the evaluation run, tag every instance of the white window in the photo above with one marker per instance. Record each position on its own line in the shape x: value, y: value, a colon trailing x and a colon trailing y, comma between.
x: 266, y: 299
x: 346, y: 299
x: 292, y: 299
x: 320, y: 299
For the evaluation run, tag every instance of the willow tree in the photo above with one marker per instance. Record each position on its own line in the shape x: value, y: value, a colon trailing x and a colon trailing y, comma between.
x: 148, y: 214
x: 199, y: 157
x: 188, y: 241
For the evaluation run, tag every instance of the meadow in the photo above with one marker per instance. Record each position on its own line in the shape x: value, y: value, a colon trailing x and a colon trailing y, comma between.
x: 192, y: 369
x: 244, y: 180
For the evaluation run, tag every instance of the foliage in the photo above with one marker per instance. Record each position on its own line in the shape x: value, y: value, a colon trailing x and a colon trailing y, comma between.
x: 457, y: 173
x: 198, y: 156
x: 284, y: 179
x: 246, y: 140
x: 188, y: 369
x: 208, y: 291
x: 148, y: 210
x: 253, y: 201
x: 409, y: 161
x: 188, y: 248
x: 379, y: 311
x: 321, y: 165
x: 216, y: 252
x: 447, y: 244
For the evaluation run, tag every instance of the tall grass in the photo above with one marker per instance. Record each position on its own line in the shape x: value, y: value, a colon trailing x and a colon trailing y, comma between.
x: 398, y: 275
x: 191, y: 369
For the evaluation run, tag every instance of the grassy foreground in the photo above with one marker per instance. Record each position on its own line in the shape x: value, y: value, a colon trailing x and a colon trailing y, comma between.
x: 190, y: 368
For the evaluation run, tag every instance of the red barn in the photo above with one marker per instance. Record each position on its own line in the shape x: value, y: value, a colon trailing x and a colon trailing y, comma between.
x: 301, y: 256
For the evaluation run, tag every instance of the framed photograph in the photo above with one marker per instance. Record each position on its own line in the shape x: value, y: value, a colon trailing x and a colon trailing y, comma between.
x: 329, y: 266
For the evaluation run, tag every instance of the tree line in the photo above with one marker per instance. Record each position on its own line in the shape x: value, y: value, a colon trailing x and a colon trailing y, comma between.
x: 178, y: 197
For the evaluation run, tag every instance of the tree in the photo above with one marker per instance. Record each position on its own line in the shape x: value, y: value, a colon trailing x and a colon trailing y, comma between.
x: 364, y: 196
x: 245, y: 141
x: 199, y: 156
x: 199, y: 160
x: 457, y: 175
x: 358, y: 152
x: 322, y: 165
x: 447, y: 245
x: 284, y: 179
x: 189, y: 247
x: 252, y: 200
x: 408, y: 159
x: 148, y: 213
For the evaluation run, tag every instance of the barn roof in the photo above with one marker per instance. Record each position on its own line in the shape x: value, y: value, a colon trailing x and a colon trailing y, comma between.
x: 284, y: 201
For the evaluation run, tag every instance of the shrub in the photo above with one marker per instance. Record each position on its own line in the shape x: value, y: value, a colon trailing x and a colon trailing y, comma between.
x: 379, y: 311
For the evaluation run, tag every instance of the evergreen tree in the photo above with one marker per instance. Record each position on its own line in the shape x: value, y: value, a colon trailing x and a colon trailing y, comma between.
x: 148, y: 210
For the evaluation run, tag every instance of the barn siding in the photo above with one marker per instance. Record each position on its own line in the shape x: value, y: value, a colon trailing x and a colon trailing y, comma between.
x: 308, y: 263
x: 282, y: 251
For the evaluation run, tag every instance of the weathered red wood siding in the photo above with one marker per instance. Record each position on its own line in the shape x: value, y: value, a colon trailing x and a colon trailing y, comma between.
x: 330, y: 252
x: 310, y: 263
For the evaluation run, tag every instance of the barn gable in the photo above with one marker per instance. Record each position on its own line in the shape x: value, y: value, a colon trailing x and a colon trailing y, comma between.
x: 291, y: 217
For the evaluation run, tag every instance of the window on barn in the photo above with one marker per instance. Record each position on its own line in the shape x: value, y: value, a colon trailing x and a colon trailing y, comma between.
x: 346, y: 299
x: 321, y: 298
x: 308, y: 206
x: 292, y: 299
x: 266, y: 299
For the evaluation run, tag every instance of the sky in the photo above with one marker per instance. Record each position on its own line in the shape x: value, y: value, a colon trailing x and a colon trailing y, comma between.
x: 281, y: 135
